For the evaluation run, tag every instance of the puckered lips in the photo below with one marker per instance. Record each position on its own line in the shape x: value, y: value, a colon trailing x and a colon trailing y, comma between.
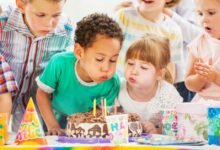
x: 131, y: 80
x: 103, y: 78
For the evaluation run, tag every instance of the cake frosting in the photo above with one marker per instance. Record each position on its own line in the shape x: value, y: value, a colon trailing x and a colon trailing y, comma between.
x: 85, y: 125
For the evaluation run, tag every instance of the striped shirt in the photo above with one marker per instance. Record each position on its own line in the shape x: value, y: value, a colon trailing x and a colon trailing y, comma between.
x: 28, y: 55
x: 7, y: 80
x: 135, y: 26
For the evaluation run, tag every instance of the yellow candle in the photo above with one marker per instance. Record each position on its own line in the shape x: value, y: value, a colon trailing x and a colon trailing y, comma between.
x: 94, y: 107
x: 105, y: 107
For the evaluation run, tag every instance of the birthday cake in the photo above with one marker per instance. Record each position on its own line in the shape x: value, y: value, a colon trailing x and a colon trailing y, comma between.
x: 85, y: 125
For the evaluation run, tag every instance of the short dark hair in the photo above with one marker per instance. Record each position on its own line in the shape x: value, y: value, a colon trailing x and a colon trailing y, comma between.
x: 90, y: 26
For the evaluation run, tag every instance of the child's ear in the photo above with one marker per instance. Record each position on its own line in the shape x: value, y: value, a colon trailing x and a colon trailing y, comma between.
x: 78, y: 51
x: 20, y: 4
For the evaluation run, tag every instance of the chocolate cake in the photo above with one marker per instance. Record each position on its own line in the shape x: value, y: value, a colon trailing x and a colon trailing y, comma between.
x: 85, y: 125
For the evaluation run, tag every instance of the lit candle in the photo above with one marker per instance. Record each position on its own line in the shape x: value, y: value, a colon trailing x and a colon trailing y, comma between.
x: 94, y: 107
x: 105, y: 107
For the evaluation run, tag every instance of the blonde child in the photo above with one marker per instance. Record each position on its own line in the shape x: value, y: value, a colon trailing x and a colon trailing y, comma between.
x: 203, y: 72
x: 30, y: 34
x: 148, y: 17
x: 145, y: 89
x: 75, y: 80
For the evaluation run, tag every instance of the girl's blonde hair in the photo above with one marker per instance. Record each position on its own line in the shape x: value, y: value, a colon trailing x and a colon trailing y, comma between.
x: 153, y: 49
x: 172, y: 3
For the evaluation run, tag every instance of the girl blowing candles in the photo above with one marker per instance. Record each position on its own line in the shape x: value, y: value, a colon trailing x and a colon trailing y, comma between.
x: 146, y: 88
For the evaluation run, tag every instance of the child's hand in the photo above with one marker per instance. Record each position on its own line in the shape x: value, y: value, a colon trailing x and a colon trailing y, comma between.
x: 149, y: 127
x: 55, y: 131
x: 205, y: 71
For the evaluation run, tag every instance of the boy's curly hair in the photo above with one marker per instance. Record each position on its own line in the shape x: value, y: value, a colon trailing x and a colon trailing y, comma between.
x: 172, y: 3
x: 95, y: 24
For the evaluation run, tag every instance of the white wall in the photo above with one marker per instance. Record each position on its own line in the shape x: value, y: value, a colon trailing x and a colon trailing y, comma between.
x: 6, y: 2
x: 80, y: 8
x: 77, y: 9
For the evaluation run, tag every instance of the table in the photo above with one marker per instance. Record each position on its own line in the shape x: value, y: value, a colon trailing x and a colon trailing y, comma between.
x: 55, y: 145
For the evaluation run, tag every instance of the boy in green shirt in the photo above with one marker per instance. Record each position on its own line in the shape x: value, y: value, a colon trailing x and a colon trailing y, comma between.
x: 73, y: 80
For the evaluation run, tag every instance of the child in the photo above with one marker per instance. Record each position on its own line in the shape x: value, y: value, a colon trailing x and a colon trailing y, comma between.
x: 145, y: 91
x: 203, y: 72
x: 148, y: 17
x: 29, y: 35
x: 8, y: 87
x: 75, y: 80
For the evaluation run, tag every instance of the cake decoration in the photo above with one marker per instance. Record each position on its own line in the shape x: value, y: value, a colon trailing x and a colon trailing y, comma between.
x: 118, y: 128
x: 85, y: 125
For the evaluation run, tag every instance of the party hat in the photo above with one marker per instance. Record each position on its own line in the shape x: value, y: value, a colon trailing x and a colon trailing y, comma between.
x: 30, y: 131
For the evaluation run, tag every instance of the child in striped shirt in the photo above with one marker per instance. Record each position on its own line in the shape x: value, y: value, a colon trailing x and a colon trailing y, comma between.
x: 30, y: 35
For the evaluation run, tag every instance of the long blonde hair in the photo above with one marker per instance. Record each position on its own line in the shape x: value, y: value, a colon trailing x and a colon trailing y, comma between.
x: 153, y: 49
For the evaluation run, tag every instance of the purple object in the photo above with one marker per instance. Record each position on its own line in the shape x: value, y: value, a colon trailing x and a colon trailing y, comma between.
x: 65, y: 139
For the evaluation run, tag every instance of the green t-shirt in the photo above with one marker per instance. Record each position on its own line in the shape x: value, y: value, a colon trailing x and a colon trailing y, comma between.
x: 69, y: 95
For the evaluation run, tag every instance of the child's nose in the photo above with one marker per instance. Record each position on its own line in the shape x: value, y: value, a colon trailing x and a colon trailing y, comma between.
x: 105, y: 67
x: 134, y: 70
x: 49, y: 22
x: 204, y: 19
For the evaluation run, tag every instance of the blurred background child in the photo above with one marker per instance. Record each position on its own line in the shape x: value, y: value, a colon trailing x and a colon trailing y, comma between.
x: 75, y: 80
x: 30, y: 34
x: 8, y: 87
x: 203, y: 72
x: 146, y: 88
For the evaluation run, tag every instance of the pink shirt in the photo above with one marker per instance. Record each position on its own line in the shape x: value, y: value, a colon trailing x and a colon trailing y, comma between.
x: 207, y: 47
